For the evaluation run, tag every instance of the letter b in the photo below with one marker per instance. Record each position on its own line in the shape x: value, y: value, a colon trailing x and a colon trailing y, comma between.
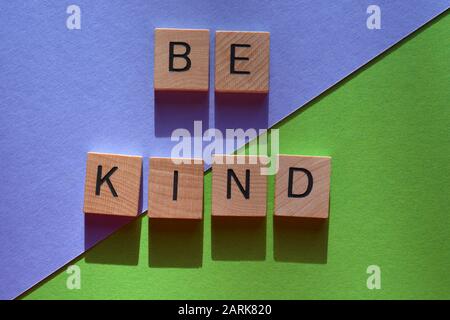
x: 185, y: 56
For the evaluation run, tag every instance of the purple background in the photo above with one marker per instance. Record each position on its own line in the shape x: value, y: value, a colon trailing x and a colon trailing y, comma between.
x: 64, y: 93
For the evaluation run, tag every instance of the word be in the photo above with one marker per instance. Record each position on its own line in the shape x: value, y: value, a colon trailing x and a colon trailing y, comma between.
x: 175, y: 188
x: 182, y: 61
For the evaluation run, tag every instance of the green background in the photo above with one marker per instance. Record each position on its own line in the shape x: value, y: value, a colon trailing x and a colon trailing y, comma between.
x: 387, y: 129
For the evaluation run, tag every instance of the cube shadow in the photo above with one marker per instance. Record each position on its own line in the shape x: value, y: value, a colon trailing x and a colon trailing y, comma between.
x: 121, y: 248
x: 238, y: 238
x: 176, y: 110
x: 175, y: 243
x: 241, y: 110
x: 302, y: 240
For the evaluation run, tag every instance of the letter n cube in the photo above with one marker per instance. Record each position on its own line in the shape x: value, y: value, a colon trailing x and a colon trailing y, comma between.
x: 239, y: 189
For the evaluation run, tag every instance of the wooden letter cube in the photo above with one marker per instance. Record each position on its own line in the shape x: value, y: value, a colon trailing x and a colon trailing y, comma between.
x: 242, y: 62
x: 113, y: 184
x: 302, y: 186
x: 238, y: 187
x: 175, y: 190
x: 181, y: 60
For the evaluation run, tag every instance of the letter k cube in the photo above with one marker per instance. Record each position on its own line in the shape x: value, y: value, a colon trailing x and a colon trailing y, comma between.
x: 113, y: 184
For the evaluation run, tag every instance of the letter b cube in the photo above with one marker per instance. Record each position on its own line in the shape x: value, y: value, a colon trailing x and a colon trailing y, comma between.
x: 181, y: 60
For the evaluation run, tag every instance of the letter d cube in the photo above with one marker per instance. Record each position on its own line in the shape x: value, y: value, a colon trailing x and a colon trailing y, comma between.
x: 302, y: 186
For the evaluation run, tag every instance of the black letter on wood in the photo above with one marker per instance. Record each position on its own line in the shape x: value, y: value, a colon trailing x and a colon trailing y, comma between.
x: 184, y: 55
x: 233, y: 58
x: 101, y: 180
x: 291, y: 182
x: 246, y: 191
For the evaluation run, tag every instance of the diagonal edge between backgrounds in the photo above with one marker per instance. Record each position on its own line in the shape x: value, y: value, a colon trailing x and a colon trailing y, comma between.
x: 361, y: 68
x: 334, y: 85
x: 78, y: 257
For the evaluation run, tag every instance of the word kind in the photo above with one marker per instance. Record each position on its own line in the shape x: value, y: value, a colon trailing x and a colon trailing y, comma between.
x: 175, y: 188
